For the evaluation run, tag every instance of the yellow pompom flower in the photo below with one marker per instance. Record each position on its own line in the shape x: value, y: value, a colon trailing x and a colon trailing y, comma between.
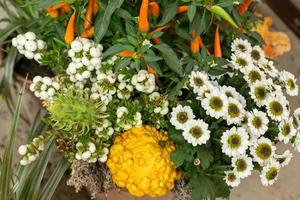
x: 140, y: 161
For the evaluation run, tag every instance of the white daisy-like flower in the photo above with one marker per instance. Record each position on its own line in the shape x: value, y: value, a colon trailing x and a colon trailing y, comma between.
x: 232, y: 179
x: 206, y: 89
x: 240, y: 45
x: 253, y: 74
x: 257, y: 54
x: 235, y: 111
x: 242, y: 165
x: 241, y: 61
x: 284, y: 159
x: 270, y: 173
x: 286, y: 130
x: 269, y: 68
x: 180, y: 115
x: 231, y: 92
x: 235, y: 141
x: 257, y: 122
x: 198, y: 80
x: 277, y: 108
x: 196, y: 132
x: 296, y: 118
x: 263, y: 150
x: 259, y: 92
x: 215, y: 104
x: 253, y: 138
x: 290, y: 82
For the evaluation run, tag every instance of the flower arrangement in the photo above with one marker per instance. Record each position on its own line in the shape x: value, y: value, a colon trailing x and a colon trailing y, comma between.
x: 180, y: 98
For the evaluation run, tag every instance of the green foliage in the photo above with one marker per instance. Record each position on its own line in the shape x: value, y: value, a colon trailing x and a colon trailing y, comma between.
x: 75, y: 113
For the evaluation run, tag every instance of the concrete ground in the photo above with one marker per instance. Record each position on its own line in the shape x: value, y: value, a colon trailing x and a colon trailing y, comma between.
x: 287, y: 187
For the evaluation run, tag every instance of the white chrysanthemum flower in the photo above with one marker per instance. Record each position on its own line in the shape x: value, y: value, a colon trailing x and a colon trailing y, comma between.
x: 257, y: 122
x: 206, y: 89
x: 196, y: 132
x: 263, y: 151
x: 253, y: 74
x: 284, y: 159
x: 242, y: 165
x: 269, y: 68
x: 286, y: 130
x: 277, y: 108
x: 235, y: 111
x: 259, y: 92
x: 241, y: 61
x: 144, y: 81
x: 270, y: 173
x: 296, y: 143
x: 252, y: 138
x: 235, y: 141
x: 231, y: 92
x: 198, y: 80
x: 180, y: 115
x: 296, y: 118
x: 240, y: 45
x: 290, y: 83
x: 257, y: 54
x: 215, y: 104
x: 232, y: 179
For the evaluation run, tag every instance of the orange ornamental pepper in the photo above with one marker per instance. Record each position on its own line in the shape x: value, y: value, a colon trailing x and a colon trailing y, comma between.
x: 126, y: 54
x: 244, y: 6
x: 217, y: 44
x: 95, y: 7
x: 182, y: 9
x: 156, y: 40
x: 70, y: 30
x: 151, y: 70
x: 57, y: 6
x: 143, y: 17
x: 89, y: 15
x: 53, y: 13
x: 154, y: 9
x: 88, y: 33
x: 157, y: 30
x: 195, y: 43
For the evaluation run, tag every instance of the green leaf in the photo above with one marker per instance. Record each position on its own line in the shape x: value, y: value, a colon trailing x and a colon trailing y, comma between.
x: 103, y: 20
x: 54, y: 180
x: 152, y: 58
x: 175, y: 90
x: 170, y: 58
x: 122, y: 63
x: 191, y: 12
x: 205, y: 156
x: 178, y: 156
x: 169, y: 13
x: 44, y: 3
x: 116, y: 49
x: 6, y: 167
x: 202, y: 188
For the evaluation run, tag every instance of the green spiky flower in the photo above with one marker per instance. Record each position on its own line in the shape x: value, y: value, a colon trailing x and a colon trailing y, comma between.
x: 73, y: 111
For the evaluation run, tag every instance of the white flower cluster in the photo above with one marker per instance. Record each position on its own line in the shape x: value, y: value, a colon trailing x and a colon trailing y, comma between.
x: 91, y: 153
x: 86, y: 57
x: 44, y: 87
x: 105, y: 131
x: 30, y: 152
x: 144, y: 81
x: 126, y: 119
x: 195, y: 131
x: 266, y: 86
x: 29, y: 46
x: 125, y: 88
x: 160, y: 102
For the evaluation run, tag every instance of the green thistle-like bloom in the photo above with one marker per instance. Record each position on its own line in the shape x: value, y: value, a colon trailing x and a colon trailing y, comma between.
x: 73, y: 111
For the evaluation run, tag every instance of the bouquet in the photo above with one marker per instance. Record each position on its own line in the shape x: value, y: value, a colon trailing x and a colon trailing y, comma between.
x: 179, y: 98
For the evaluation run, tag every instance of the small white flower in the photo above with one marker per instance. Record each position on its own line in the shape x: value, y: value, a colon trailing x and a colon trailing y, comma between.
x: 235, y: 141
x: 92, y: 147
x: 231, y: 92
x: 253, y: 74
x: 198, y: 80
x: 215, y: 104
x: 37, y: 79
x: 239, y: 45
x: 37, y: 57
x: 22, y: 150
x: 24, y: 162
x: 95, y: 52
x: 270, y: 173
x: 95, y: 61
x: 51, y: 92
x: 257, y: 54
x: 47, y: 80
x: 103, y: 159
x: 29, y: 55
x: 277, y: 108
x: 78, y: 156
x: 14, y: 42
x: 235, y: 111
x: 241, y: 61
x: 121, y: 111
x: 257, y: 122
x: 147, y: 42
x: 284, y: 159
x: 86, y: 155
x: 290, y: 83
x: 232, y: 179
x: 86, y: 74
x: 242, y: 165
x: 30, y: 36
x: 296, y: 143
x: 21, y: 40
x: 263, y: 151
x: 259, y: 92
x: 180, y: 115
x: 31, y: 46
x: 286, y: 130
x: 32, y: 158
x: 76, y: 46
x: 196, y: 132
x: 269, y: 68
x: 71, y: 53
x: 296, y: 118
x: 41, y: 44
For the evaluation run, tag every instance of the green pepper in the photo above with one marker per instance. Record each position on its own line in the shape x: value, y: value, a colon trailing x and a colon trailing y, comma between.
x: 223, y: 14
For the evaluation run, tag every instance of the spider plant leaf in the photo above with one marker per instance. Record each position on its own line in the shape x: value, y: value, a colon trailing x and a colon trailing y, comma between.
x: 54, y: 180
x: 6, y: 167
